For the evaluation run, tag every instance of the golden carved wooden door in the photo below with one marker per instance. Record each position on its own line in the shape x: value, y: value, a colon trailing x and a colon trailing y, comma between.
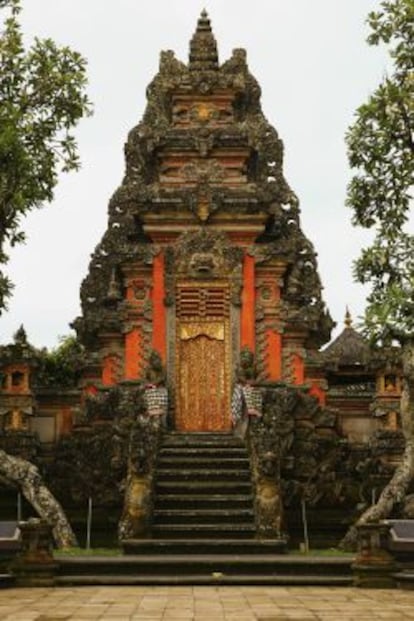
x: 203, y: 358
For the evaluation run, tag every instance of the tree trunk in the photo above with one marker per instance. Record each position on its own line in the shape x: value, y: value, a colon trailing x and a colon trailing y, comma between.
x: 24, y: 475
x: 396, y: 489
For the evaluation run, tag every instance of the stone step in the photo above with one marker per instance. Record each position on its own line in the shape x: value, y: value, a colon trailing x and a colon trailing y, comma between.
x: 203, y: 579
x: 200, y: 501
x: 201, y: 440
x: 205, y: 516
x: 405, y: 579
x: 203, y: 451
x: 202, y: 488
x: 203, y: 564
x: 198, y: 463
x: 204, y: 546
x: 201, y: 474
x: 204, y: 530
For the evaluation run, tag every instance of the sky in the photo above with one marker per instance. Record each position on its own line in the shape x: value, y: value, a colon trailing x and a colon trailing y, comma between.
x: 314, y: 67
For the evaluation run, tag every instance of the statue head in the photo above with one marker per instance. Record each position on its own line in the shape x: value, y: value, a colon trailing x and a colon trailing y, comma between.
x: 154, y: 360
x: 154, y: 373
x: 247, y: 366
x: 246, y: 358
x: 269, y: 464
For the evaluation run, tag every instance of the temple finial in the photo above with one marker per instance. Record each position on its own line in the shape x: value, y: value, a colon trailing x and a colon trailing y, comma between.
x: 20, y: 337
x: 203, y: 46
x: 348, y: 318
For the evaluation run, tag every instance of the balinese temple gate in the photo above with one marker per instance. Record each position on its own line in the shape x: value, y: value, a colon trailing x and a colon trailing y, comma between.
x: 203, y: 262
x: 204, y: 405
x: 203, y: 254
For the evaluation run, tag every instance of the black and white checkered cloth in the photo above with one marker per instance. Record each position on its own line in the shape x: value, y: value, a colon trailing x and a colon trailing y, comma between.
x: 156, y: 400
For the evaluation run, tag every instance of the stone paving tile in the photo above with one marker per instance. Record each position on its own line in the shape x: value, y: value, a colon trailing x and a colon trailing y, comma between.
x: 177, y: 613
x: 152, y: 605
x: 198, y: 603
x: 247, y: 613
x: 181, y: 604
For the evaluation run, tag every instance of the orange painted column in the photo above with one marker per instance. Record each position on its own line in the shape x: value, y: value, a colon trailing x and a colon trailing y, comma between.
x: 247, y: 318
x: 159, y: 341
x: 298, y: 369
x: 274, y: 355
x: 133, y: 354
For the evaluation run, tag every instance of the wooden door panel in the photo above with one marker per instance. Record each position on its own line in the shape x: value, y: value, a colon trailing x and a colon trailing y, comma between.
x: 203, y: 357
x: 203, y: 395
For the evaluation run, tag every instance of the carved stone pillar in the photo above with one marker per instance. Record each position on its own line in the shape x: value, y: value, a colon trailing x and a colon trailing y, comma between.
x: 247, y: 317
x: 374, y: 565
x: 268, y: 320
x: 35, y: 565
x: 159, y: 341
x: 138, y: 315
x: 294, y: 357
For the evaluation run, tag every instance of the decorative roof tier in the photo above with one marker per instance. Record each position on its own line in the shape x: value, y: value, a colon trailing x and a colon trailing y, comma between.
x: 18, y: 351
x: 349, y: 348
x: 203, y: 47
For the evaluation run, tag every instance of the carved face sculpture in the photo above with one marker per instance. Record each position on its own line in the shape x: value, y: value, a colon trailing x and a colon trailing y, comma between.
x: 203, y: 264
x: 269, y: 464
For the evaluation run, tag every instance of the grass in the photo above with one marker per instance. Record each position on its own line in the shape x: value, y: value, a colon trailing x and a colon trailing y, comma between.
x: 90, y: 552
x: 323, y: 552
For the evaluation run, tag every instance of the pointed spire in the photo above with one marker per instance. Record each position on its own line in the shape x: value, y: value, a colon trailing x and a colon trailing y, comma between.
x: 348, y: 318
x: 203, y: 46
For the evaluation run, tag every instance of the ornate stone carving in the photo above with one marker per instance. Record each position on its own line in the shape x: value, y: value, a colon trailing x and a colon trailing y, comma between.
x: 213, y: 249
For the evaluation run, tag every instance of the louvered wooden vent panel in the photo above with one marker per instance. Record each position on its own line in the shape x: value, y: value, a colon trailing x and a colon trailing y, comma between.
x: 202, y: 302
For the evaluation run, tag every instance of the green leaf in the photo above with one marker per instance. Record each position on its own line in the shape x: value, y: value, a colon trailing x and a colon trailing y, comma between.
x: 381, y: 152
x: 42, y: 98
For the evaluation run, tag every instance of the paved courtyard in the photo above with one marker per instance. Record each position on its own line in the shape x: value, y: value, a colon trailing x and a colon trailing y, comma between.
x: 204, y: 603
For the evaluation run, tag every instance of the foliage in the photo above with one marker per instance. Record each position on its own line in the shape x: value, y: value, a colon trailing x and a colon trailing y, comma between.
x: 61, y: 366
x: 381, y: 150
x: 42, y: 97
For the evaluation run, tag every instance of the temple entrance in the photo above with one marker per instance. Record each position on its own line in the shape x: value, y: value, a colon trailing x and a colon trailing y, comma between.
x: 203, y: 358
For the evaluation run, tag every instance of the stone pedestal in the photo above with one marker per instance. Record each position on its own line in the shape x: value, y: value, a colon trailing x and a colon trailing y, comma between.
x: 35, y: 565
x: 373, y: 566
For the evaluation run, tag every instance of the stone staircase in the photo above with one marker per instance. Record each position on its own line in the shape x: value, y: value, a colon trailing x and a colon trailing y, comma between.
x: 203, y: 528
x: 203, y: 490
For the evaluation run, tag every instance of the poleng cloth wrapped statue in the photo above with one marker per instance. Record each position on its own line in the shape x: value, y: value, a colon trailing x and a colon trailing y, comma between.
x: 156, y: 400
x: 155, y: 392
x: 246, y: 400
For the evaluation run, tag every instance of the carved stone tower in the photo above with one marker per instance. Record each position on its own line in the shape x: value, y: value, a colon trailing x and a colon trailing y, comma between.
x: 203, y: 254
